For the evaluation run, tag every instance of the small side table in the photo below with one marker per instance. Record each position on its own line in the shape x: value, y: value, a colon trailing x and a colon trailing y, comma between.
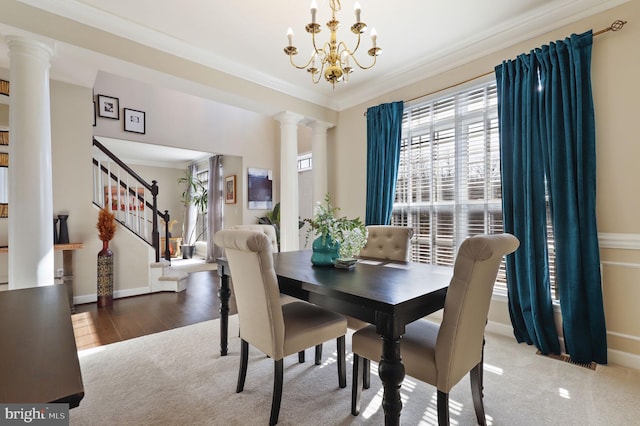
x: 67, y: 269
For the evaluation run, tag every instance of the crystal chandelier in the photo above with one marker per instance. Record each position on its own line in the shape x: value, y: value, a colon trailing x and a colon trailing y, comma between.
x: 334, y: 58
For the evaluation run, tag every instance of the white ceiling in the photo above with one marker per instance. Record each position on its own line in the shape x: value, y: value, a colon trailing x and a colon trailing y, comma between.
x: 419, y: 38
x: 157, y: 156
x: 246, y: 38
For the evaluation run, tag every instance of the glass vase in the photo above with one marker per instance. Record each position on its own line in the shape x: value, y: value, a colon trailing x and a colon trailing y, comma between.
x: 325, y: 251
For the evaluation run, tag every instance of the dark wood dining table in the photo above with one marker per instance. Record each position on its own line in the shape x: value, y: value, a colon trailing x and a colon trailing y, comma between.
x: 39, y: 359
x: 387, y: 294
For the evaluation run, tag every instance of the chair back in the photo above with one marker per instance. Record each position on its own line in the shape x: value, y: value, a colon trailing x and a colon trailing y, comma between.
x: 388, y: 242
x: 255, y: 287
x: 460, y: 339
x: 268, y: 230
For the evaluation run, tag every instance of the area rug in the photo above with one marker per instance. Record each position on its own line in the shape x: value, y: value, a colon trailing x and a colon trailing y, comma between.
x: 178, y: 377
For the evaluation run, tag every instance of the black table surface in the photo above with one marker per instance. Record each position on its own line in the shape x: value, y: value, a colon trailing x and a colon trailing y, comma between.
x: 403, y: 291
x: 38, y: 359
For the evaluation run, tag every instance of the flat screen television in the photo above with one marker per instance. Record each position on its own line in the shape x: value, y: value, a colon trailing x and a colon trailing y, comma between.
x: 260, y: 189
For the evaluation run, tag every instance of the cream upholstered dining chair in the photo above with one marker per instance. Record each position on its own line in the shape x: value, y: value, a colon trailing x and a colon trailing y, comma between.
x: 442, y: 355
x: 267, y: 230
x: 270, y: 232
x: 384, y: 242
x: 277, y: 330
x: 389, y: 242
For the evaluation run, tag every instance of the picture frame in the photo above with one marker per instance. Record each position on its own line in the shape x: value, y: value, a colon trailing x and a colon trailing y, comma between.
x: 230, y: 189
x: 134, y: 121
x: 94, y: 113
x: 108, y: 107
x: 260, y: 189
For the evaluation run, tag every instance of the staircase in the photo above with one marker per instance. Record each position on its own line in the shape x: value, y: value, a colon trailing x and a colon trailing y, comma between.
x: 133, y: 201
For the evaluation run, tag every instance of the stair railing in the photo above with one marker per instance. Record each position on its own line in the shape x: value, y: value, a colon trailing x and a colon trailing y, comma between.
x: 132, y: 200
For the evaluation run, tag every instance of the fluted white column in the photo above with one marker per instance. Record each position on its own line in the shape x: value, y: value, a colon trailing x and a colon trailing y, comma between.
x: 289, y: 234
x: 319, y: 158
x: 31, y: 260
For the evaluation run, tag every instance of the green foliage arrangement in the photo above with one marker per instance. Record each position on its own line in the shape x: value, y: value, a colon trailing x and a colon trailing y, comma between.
x: 350, y: 233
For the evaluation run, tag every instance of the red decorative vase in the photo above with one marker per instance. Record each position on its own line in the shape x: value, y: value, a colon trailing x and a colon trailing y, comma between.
x: 105, y: 276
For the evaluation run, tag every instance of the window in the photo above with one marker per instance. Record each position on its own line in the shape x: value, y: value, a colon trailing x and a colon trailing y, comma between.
x: 305, y: 162
x: 201, y: 222
x: 448, y: 184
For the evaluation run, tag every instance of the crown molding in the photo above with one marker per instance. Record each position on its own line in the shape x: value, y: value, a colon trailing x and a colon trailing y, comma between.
x: 538, y: 22
x: 529, y: 26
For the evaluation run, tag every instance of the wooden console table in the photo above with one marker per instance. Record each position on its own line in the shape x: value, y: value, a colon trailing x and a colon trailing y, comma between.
x: 39, y: 356
x: 67, y: 267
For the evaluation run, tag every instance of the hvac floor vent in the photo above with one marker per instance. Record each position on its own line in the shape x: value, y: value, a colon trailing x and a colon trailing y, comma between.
x: 566, y: 358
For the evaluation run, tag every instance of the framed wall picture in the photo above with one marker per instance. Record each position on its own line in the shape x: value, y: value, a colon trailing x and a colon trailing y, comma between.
x: 108, y: 107
x: 134, y: 121
x: 230, y: 189
x: 260, y: 194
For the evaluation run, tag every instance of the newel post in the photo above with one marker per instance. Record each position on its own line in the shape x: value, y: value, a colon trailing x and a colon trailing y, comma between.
x: 155, y: 235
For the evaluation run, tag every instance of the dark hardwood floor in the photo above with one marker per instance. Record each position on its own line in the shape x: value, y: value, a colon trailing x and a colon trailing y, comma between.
x: 150, y: 313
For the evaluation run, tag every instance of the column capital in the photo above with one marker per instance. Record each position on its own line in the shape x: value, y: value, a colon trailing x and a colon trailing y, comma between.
x: 317, y: 125
x: 43, y: 50
x: 288, y: 117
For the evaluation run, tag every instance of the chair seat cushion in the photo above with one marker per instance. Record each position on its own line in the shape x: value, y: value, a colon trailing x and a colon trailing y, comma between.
x: 417, y: 348
x: 305, y: 325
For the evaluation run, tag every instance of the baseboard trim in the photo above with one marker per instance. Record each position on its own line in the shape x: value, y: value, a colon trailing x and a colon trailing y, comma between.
x: 623, y: 359
x: 91, y: 298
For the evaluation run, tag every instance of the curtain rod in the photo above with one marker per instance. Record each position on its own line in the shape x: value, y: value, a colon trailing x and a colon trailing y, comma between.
x: 616, y: 26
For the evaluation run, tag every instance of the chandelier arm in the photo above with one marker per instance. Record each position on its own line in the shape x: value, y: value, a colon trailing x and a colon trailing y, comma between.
x: 364, y: 68
x: 313, y: 41
x: 357, y: 46
x: 298, y: 66
x: 345, y: 48
x: 313, y: 79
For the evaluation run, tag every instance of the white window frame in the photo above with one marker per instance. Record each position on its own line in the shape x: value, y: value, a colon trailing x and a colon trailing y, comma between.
x: 434, y: 247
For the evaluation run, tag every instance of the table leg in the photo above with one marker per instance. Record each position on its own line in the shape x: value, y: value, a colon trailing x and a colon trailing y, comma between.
x: 67, y: 279
x: 224, y: 293
x: 391, y: 372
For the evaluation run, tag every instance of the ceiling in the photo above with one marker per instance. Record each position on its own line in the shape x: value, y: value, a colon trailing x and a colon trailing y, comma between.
x: 246, y: 38
x: 419, y: 39
x: 157, y: 156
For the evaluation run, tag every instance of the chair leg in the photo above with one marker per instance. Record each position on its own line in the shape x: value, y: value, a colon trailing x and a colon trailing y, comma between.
x: 342, y: 366
x: 356, y: 384
x: 319, y: 354
x: 301, y: 357
x: 475, y: 376
x: 366, y: 377
x: 443, y: 408
x: 277, y: 391
x: 244, y: 359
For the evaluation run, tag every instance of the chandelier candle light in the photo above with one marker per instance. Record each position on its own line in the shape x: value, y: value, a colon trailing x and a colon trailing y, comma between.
x: 334, y: 57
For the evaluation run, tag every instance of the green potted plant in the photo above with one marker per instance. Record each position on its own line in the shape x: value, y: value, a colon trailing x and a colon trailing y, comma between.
x: 195, y: 194
x: 338, y: 239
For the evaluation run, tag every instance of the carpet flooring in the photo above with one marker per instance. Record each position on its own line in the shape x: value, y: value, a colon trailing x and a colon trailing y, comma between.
x: 178, y: 377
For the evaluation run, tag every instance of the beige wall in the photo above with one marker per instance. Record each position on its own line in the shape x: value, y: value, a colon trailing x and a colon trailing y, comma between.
x: 181, y: 120
x: 615, y: 67
x: 190, y: 121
